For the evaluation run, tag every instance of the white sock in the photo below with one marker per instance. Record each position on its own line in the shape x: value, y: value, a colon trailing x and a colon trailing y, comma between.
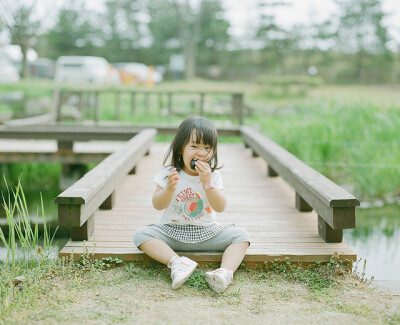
x: 172, y: 260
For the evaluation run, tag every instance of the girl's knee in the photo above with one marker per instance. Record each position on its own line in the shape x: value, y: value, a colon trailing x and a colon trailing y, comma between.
x: 141, y: 235
x: 241, y: 235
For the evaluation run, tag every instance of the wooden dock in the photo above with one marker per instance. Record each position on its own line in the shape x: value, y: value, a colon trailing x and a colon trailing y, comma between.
x: 263, y: 205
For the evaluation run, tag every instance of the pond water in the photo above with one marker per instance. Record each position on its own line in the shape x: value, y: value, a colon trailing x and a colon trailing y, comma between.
x: 376, y: 239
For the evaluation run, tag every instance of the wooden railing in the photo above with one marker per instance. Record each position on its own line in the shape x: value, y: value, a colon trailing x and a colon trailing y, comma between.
x: 335, y: 207
x: 66, y: 135
x: 89, y: 100
x: 96, y: 189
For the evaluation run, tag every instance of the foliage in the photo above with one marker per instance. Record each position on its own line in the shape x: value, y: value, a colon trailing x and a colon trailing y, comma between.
x: 24, y: 253
x: 197, y: 280
x: 350, y: 143
x: 361, y: 30
x: 24, y: 24
x: 317, y: 276
x: 198, y: 31
x: 73, y: 33
x: 288, y: 85
x: 21, y: 233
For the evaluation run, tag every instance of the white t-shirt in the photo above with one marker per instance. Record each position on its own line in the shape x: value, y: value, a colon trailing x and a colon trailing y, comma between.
x: 189, y: 204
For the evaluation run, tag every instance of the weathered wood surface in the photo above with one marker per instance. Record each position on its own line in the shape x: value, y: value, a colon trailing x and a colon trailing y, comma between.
x: 105, y: 131
x: 47, y: 151
x: 36, y: 148
x: 264, y: 206
x: 77, y: 204
x: 313, y: 190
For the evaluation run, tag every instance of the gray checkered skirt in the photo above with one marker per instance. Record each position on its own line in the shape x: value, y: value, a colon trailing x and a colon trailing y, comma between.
x: 192, y: 233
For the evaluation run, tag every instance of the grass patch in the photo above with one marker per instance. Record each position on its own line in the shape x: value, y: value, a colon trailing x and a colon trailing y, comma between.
x: 87, y: 290
x: 354, y: 145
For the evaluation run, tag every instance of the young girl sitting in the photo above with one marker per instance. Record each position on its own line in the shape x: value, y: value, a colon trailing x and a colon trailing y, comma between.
x: 190, y: 191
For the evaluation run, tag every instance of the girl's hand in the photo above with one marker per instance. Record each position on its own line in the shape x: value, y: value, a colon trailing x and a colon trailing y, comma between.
x: 173, y: 178
x: 204, y: 171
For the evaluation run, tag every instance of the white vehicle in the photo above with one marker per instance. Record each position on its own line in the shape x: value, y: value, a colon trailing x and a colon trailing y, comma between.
x: 83, y: 69
x: 8, y: 72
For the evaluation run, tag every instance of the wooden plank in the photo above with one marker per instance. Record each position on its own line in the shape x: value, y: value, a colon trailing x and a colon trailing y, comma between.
x: 252, y: 256
x: 102, y: 131
x: 277, y: 229
x: 255, y: 237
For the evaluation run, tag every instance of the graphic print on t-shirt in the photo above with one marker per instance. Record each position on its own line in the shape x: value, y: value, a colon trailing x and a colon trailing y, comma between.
x: 191, y: 205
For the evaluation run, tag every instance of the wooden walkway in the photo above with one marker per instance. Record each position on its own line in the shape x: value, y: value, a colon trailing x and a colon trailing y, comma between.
x: 264, y: 206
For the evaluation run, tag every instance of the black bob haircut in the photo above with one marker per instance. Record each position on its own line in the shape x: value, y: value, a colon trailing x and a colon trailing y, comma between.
x: 204, y: 132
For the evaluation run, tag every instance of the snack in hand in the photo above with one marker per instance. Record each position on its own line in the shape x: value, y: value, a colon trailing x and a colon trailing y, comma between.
x: 193, y: 164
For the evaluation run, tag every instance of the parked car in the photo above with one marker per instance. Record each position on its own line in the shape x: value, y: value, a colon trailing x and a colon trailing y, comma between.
x: 133, y: 72
x: 8, y: 72
x: 82, y: 69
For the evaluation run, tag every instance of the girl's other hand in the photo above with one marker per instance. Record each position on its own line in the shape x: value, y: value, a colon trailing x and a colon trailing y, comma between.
x: 173, y: 178
x: 204, y: 171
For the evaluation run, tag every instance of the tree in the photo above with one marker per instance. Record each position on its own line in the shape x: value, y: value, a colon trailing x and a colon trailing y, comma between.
x: 188, y: 27
x: 24, y: 23
x: 277, y: 41
x: 361, y: 30
x: 74, y: 33
x: 122, y: 34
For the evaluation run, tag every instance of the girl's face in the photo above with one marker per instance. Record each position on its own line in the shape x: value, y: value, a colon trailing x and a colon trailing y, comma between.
x: 194, y: 150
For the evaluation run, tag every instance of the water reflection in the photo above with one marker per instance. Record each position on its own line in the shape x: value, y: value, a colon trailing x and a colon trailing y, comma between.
x: 56, y: 246
x: 376, y: 239
x: 34, y: 203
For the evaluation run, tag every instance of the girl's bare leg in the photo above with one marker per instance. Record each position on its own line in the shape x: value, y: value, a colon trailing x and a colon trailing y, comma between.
x: 234, y: 255
x: 158, y: 250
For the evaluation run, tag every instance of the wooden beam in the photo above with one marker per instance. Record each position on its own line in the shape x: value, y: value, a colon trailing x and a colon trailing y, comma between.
x: 87, y: 133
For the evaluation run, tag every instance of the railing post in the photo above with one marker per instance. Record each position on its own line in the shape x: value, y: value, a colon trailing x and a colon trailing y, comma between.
x: 301, y: 204
x: 328, y: 234
x: 237, y: 107
x: 96, y: 107
x: 65, y: 145
x: 84, y: 232
x: 271, y: 172
x: 201, y: 104
x: 109, y: 202
x: 57, y: 105
x: 160, y: 103
x: 133, y: 103
x: 117, y: 105
x: 146, y: 103
x: 170, y: 103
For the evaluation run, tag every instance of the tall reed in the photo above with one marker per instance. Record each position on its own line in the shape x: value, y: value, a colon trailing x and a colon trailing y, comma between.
x: 22, y: 242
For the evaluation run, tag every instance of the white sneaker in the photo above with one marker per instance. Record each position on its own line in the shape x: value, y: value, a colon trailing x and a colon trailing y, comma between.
x: 219, y: 279
x: 181, y: 269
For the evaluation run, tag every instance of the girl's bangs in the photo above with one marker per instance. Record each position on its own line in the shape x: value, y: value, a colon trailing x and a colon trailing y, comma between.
x: 205, y: 135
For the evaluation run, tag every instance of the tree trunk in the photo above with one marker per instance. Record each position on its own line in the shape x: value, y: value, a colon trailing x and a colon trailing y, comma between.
x: 190, y: 60
x: 360, y: 64
x: 25, y: 62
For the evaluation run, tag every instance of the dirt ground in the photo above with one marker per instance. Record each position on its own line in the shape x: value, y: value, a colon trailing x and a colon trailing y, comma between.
x: 138, y: 295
